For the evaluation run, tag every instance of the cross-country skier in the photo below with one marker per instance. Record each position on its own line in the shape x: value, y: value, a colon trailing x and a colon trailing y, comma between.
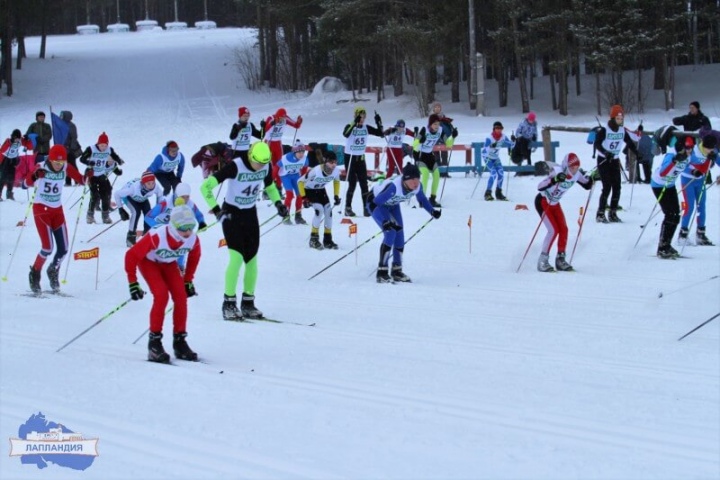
x: 491, y: 158
x: 426, y: 160
x: 290, y: 167
x: 136, y: 196
x: 312, y: 189
x: 694, y: 188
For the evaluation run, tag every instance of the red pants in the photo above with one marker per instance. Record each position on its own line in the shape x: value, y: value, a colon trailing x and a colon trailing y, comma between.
x: 165, y: 280
x: 554, y: 221
x: 50, y: 224
x: 276, y: 153
x: 394, y: 160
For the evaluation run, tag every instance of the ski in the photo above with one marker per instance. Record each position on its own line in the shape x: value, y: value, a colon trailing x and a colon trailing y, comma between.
x: 57, y: 293
x: 272, y: 320
x: 33, y: 295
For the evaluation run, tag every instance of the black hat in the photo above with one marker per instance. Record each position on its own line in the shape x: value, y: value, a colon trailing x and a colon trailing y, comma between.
x: 16, y: 134
x: 39, y: 113
x: 498, y: 125
x: 410, y: 171
x: 695, y: 104
x: 329, y: 156
x: 709, y: 142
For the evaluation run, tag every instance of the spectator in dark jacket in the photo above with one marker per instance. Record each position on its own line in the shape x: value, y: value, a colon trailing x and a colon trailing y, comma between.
x: 694, y: 120
x: 74, y: 150
x: 43, y: 135
x: 644, y: 157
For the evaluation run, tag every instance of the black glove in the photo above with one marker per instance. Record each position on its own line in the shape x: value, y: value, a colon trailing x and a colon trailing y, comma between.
x: 493, y: 145
x: 306, y: 203
x: 415, y: 131
x: 357, y: 119
x: 534, y: 139
x: 454, y: 132
x: 118, y: 171
x: 378, y: 120
x: 712, y: 156
x: 262, y: 125
x: 679, y: 157
x: 120, y: 161
x: 560, y: 177
x: 90, y: 163
x: 337, y: 200
x: 218, y: 212
x: 513, y: 138
x: 124, y: 215
x: 136, y: 293
x: 697, y: 173
x: 609, y: 156
x: 281, y: 209
x: 202, y: 226
x: 436, y: 213
x: 190, y: 289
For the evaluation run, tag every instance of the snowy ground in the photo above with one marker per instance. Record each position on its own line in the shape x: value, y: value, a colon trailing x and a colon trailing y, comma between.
x: 472, y: 371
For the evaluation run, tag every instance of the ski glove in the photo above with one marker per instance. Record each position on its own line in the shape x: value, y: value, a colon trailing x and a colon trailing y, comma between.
x: 281, y: 209
x: 336, y: 200
x: 38, y: 174
x: 559, y: 178
x: 117, y: 171
x: 712, y: 156
x: 190, y: 289
x: 513, y: 138
x: 415, y: 131
x: 299, y: 121
x: 697, y: 173
x: 218, y: 212
x: 609, y: 156
x: 136, y: 293
x: 306, y: 203
x: 679, y: 157
x: 124, y: 215
x: 454, y: 133
x: 390, y: 225
x: 358, y: 119
x: 378, y: 120
x: 202, y: 226
x: 436, y: 213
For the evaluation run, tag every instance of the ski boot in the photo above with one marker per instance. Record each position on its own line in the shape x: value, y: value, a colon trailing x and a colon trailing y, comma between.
x: 600, y: 217
x: 397, y: 274
x: 90, y: 217
x: 299, y: 220
x: 382, y: 275
x: 683, y: 237
x: 287, y: 221
x: 315, y: 241
x: 130, y: 239
x: 247, y: 306
x: 349, y: 212
x: 328, y: 242
x: 229, y: 308
x: 106, y: 217
x: 499, y: 195
x: 181, y: 348
x: 701, y: 239
x: 9, y: 195
x: 434, y: 202
x: 543, y: 265
x: 488, y: 196
x: 156, y: 352
x: 613, y: 218
x: 35, y: 281
x: 665, y: 251
x: 366, y: 213
x: 53, y: 273
x: 561, y: 264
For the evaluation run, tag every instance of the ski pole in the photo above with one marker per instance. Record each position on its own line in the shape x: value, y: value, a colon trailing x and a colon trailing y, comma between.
x: 479, y: 178
x: 272, y: 228
x: 442, y: 190
x: 701, y: 325
x: 22, y: 228
x: 348, y: 253
x: 148, y: 329
x: 103, y: 231
x: 697, y: 206
x: 582, y: 222
x: 657, y: 202
x: 419, y: 229
x: 104, y: 317
x: 531, y: 242
x: 72, y: 242
x: 266, y: 221
x: 660, y: 295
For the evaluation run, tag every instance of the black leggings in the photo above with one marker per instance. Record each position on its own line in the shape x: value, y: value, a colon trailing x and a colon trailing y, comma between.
x: 671, y: 208
x: 610, y: 176
x: 356, y: 173
x: 242, y: 231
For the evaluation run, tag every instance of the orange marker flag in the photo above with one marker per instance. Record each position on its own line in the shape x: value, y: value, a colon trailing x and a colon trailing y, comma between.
x: 87, y: 254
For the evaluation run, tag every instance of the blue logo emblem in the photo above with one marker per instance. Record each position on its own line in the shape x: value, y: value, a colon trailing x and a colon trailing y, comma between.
x: 40, y: 442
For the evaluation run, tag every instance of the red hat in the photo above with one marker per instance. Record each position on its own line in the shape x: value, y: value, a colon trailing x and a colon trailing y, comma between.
x: 147, y: 177
x: 572, y: 160
x: 57, y: 154
x: 281, y: 113
x: 172, y: 144
x: 531, y: 117
x: 243, y: 111
x: 689, y: 142
x: 616, y: 110
x: 433, y: 118
x: 103, y: 138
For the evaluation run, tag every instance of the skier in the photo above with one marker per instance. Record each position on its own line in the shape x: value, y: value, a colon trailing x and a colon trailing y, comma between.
x: 212, y: 157
x: 610, y: 141
x: 156, y: 256
x: 274, y: 128
x: 426, y: 160
x: 136, y: 195
x: 356, y: 139
x: 442, y: 158
x: 396, y: 149
x: 525, y: 133
x: 168, y: 166
x: 693, y: 187
x: 242, y: 132
x: 384, y: 203
x: 49, y: 180
x: 290, y: 167
x: 9, y: 160
x: 312, y: 189
x: 103, y: 160
x: 491, y: 157
x: 160, y: 213
x: 547, y: 203
x: 241, y: 229
x: 663, y: 187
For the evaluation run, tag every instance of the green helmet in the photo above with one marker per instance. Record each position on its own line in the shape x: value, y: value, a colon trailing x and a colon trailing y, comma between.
x: 259, y: 152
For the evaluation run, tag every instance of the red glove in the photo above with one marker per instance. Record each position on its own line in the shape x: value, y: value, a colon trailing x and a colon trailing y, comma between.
x: 38, y: 173
x: 299, y: 121
x: 89, y: 174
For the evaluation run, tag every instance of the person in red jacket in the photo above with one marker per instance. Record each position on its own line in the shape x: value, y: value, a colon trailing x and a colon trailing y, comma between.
x: 274, y: 127
x: 156, y: 254
x: 396, y: 148
x: 48, y: 178
x: 10, y: 152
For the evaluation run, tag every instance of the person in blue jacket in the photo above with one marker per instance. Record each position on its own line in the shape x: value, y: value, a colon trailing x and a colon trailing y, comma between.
x: 384, y: 202
x: 693, y: 188
x: 160, y: 213
x: 168, y: 166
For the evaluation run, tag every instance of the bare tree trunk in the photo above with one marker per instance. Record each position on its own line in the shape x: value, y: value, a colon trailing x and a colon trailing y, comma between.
x: 666, y: 84
x: 660, y: 62
x: 43, y: 27
x: 398, y: 68
x: 455, y: 85
x: 472, y: 84
x: 272, y: 53
x: 525, y: 102
x: 563, y: 88
x: 598, y: 100
x: 578, y: 83
x: 262, y: 45
x: 553, y: 95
